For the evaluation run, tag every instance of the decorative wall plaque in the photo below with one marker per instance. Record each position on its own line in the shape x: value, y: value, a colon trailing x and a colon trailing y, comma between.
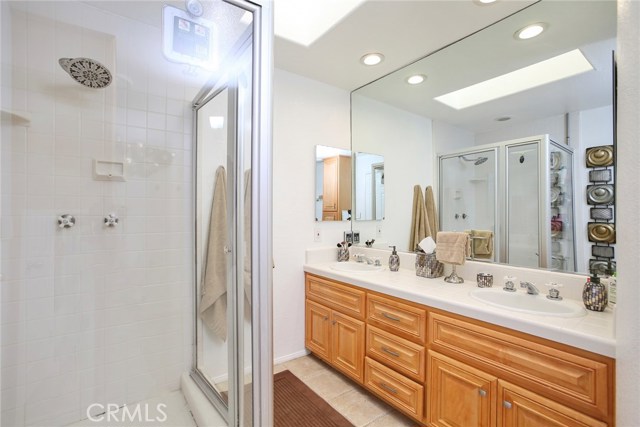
x: 601, y: 156
x: 602, y: 232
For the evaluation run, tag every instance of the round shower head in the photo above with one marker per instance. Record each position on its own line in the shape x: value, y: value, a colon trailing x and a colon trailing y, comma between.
x: 477, y: 161
x: 87, y: 72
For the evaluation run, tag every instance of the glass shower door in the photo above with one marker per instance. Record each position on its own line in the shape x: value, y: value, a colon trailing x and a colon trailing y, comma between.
x: 467, y: 196
x: 523, y: 204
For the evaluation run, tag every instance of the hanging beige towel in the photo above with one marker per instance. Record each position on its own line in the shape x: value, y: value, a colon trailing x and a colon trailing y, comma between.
x: 432, y: 213
x: 452, y: 247
x: 482, y: 241
x: 419, y: 225
x: 213, y: 304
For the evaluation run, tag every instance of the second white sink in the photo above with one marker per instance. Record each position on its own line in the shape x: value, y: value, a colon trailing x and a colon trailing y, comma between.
x: 525, y: 303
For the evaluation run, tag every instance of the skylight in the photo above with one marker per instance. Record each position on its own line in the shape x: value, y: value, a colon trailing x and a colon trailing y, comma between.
x: 305, y: 21
x: 559, y: 67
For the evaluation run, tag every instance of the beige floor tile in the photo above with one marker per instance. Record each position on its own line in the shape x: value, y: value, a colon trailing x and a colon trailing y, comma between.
x: 359, y: 407
x: 328, y: 384
x: 393, y: 419
x: 306, y: 366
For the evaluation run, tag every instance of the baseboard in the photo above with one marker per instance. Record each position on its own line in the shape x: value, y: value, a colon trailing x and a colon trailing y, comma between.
x: 297, y: 354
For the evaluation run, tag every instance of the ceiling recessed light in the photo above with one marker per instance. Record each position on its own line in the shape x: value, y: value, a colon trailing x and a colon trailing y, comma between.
x: 483, y: 2
x: 372, y: 58
x: 550, y: 70
x: 416, y: 79
x: 530, y: 31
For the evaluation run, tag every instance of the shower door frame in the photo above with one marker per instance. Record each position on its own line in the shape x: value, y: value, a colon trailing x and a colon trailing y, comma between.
x: 259, y: 39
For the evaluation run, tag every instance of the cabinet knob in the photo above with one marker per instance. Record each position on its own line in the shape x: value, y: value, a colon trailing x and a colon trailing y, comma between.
x: 507, y: 405
x: 482, y: 393
x: 333, y: 322
x: 326, y: 318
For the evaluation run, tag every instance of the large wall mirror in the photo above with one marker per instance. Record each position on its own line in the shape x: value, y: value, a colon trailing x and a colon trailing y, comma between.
x: 416, y: 127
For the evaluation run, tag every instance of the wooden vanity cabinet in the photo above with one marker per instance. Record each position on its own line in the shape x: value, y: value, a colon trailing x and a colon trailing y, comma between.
x: 447, y: 370
x: 332, y: 335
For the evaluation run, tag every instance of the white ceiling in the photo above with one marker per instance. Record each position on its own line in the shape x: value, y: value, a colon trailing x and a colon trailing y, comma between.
x: 404, y: 31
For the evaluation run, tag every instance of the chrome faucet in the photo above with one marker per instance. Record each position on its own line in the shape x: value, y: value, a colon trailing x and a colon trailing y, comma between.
x: 531, y: 288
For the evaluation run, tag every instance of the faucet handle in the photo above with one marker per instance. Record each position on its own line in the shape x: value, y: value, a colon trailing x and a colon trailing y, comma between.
x: 554, y: 292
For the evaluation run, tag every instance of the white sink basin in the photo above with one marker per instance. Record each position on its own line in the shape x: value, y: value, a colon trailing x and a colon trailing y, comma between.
x: 525, y: 303
x: 356, y: 267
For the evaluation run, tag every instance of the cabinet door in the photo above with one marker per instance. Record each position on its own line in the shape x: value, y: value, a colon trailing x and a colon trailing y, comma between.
x: 347, y: 345
x: 459, y: 395
x: 317, y: 324
x: 522, y: 408
x: 330, y: 184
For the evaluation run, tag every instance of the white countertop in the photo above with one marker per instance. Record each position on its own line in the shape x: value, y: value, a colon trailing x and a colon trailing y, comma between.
x: 593, y: 332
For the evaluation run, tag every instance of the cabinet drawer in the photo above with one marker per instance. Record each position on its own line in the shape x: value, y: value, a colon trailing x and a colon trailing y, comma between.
x: 401, y: 319
x: 334, y: 295
x: 399, y: 391
x: 402, y: 355
x: 565, y: 376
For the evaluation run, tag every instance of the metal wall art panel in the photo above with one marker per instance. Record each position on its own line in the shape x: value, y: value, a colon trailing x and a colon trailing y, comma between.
x: 602, y: 232
x: 602, y: 251
x: 601, y: 156
x: 605, y: 214
x: 600, y: 194
x: 600, y: 175
x: 601, y: 266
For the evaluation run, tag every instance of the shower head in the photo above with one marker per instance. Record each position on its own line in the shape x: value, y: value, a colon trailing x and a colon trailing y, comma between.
x: 87, y: 72
x: 477, y: 161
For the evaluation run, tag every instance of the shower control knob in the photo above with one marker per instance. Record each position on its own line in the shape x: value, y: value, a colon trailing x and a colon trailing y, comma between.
x: 464, y: 216
x: 111, y: 220
x: 66, y: 221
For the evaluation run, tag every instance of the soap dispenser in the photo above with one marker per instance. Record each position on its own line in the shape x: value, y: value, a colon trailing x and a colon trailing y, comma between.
x: 394, y: 260
x: 594, y: 294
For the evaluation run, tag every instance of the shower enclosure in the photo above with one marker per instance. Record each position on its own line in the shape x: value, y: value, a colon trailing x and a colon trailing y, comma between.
x: 517, y: 195
x: 115, y: 118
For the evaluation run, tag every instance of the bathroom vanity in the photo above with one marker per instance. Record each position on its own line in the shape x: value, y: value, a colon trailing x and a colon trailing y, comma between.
x: 445, y: 359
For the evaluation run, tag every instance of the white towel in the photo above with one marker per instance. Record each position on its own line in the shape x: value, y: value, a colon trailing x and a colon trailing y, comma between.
x: 213, y: 304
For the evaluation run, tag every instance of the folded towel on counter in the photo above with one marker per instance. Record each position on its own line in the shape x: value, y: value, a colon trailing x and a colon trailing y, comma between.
x: 452, y: 247
x: 419, y: 225
x: 482, y: 243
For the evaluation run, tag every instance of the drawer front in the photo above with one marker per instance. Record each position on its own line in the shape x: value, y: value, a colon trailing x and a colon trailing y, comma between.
x: 334, y: 295
x: 567, y: 377
x: 402, y: 355
x: 399, y: 391
x: 398, y: 318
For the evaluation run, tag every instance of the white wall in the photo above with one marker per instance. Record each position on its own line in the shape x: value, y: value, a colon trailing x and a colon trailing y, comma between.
x: 306, y: 113
x: 93, y: 314
x: 405, y: 141
x: 628, y: 159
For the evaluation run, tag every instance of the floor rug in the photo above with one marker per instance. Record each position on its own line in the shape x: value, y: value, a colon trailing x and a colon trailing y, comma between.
x: 296, y: 405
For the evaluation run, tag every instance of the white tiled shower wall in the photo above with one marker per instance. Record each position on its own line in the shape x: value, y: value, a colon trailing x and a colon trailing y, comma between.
x: 93, y: 314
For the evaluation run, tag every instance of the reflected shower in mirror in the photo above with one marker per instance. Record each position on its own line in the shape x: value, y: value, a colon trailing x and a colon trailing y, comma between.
x: 369, y: 187
x: 333, y: 184
x: 411, y: 125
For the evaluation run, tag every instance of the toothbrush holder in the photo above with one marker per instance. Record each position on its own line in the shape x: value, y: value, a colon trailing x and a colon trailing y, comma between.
x: 343, y: 254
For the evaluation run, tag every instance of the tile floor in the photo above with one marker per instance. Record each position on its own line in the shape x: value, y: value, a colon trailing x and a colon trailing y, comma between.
x: 360, y: 407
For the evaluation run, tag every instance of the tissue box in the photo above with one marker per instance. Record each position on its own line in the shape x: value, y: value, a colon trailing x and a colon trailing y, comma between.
x: 428, y: 266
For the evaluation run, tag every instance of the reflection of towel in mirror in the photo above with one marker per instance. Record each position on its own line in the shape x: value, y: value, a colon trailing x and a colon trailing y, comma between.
x: 419, y: 225
x: 452, y: 247
x: 432, y: 213
x: 482, y: 241
x: 213, y: 304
